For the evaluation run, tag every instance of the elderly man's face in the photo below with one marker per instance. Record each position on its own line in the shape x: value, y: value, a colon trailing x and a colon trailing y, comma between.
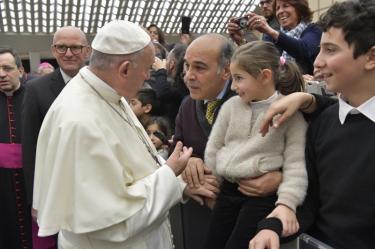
x: 139, y: 71
x: 9, y: 73
x: 70, y: 49
x: 203, y: 76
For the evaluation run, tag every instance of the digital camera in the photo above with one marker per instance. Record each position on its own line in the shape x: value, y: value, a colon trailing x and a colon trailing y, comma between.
x: 242, y: 22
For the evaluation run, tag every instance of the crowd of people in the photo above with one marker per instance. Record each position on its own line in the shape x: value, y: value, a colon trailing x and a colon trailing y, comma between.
x: 97, y: 152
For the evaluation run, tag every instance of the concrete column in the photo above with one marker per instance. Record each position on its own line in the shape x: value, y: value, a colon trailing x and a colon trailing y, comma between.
x: 34, y: 61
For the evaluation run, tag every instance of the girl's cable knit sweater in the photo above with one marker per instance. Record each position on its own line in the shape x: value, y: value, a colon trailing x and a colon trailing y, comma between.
x: 235, y: 148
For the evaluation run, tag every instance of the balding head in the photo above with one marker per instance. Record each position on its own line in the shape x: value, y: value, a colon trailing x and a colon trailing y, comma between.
x: 218, y: 44
x: 70, y: 48
x: 207, y: 62
x: 70, y: 31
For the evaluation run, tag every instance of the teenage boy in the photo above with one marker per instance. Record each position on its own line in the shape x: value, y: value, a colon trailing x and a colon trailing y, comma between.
x: 339, y: 208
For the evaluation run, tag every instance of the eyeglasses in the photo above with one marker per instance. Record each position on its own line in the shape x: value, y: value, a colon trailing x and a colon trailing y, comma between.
x: 76, y: 49
x: 261, y: 3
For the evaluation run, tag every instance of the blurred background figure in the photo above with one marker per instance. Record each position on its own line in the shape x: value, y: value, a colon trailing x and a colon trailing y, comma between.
x: 158, y: 130
x: 298, y: 38
x: 156, y: 34
x: 145, y: 104
x: 239, y: 36
x: 44, y: 68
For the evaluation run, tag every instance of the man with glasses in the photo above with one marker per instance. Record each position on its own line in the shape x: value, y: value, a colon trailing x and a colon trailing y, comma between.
x: 267, y: 11
x: 71, y: 49
x: 14, y: 215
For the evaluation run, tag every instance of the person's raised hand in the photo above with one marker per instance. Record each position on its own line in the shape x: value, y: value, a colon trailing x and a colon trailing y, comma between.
x: 177, y: 161
x: 234, y: 31
x: 159, y: 64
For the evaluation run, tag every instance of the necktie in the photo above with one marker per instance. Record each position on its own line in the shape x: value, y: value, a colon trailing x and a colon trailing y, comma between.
x: 210, y: 111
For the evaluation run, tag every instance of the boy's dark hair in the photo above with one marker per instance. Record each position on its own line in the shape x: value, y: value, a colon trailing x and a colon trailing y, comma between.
x: 165, y: 131
x: 148, y: 96
x: 13, y: 52
x: 356, y: 18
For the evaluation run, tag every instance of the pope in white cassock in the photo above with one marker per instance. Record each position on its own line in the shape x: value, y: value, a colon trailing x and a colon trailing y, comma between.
x: 98, y: 181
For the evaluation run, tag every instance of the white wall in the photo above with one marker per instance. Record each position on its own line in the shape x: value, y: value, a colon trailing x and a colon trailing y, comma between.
x: 320, y: 6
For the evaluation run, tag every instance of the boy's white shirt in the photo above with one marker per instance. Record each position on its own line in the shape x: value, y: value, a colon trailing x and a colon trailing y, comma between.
x: 367, y: 109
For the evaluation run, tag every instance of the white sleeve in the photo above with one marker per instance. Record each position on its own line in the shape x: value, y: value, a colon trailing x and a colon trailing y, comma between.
x: 164, y: 191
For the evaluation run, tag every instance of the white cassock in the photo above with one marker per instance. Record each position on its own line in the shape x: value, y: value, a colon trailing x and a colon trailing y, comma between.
x: 96, y: 182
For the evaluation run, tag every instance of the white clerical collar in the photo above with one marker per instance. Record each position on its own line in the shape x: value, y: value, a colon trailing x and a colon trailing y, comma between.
x: 12, y: 92
x: 66, y: 77
x: 367, y: 109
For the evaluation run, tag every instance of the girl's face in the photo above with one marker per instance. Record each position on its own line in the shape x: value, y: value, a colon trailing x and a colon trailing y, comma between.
x: 151, y: 129
x: 249, y: 88
x: 286, y: 14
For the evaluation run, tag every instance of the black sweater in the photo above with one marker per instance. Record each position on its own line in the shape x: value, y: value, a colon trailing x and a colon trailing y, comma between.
x: 340, y: 159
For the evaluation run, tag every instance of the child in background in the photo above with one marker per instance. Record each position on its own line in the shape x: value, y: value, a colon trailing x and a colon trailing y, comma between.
x: 145, y: 104
x: 236, y: 149
x: 158, y: 130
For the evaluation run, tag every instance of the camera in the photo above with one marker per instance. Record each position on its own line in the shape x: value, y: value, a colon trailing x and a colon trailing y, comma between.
x: 241, y: 21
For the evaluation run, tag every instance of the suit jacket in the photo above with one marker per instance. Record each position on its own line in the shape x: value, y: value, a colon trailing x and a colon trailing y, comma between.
x: 193, y: 130
x: 39, y: 96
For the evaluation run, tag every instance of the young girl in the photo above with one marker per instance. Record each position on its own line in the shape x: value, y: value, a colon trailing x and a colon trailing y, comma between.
x: 158, y: 130
x: 236, y: 149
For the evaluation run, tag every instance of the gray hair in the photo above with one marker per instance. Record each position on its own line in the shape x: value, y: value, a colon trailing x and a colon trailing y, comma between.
x: 104, y: 61
x: 226, y: 52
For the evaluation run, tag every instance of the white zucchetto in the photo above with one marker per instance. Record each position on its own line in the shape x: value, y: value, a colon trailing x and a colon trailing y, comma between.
x: 120, y: 37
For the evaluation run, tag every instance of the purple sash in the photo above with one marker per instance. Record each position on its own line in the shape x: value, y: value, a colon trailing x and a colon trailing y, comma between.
x: 10, y: 156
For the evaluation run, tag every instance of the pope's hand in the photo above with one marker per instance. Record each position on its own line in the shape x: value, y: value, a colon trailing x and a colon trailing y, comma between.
x: 179, y: 158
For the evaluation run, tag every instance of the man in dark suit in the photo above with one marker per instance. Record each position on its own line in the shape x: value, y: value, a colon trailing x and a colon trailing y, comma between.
x: 207, y: 61
x: 207, y: 77
x: 15, y: 217
x: 71, y: 49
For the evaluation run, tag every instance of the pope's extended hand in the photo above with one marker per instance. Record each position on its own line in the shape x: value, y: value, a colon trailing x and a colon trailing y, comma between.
x: 179, y: 158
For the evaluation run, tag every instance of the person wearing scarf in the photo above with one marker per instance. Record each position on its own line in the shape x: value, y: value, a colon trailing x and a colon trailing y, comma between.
x: 298, y: 38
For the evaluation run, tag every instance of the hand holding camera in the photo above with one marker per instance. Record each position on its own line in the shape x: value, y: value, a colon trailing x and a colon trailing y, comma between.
x: 234, y: 31
x: 242, y: 22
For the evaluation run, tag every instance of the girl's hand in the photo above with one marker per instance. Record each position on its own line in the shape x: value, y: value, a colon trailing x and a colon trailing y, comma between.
x: 288, y: 219
x: 265, y: 239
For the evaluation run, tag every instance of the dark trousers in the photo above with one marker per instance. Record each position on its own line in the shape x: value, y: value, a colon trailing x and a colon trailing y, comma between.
x: 234, y: 218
